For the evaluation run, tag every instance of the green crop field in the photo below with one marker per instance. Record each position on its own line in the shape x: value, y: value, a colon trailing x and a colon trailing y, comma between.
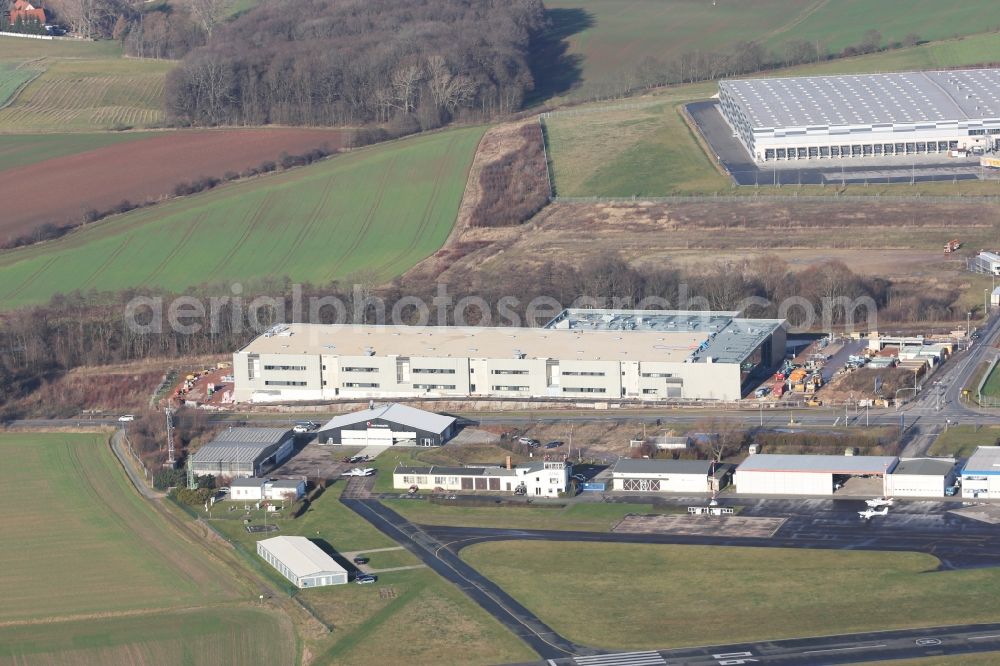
x: 728, y: 594
x: 99, y: 577
x: 191, y: 638
x: 647, y: 149
x: 17, y: 150
x: 607, y: 39
x: 81, y: 86
x: 377, y: 210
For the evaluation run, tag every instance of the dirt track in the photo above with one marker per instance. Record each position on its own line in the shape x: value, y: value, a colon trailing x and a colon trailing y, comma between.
x: 61, y: 190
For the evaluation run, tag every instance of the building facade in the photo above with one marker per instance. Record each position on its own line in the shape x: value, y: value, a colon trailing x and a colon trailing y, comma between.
x: 777, y: 474
x: 254, y: 489
x: 301, y: 561
x: 591, y: 355
x: 920, y: 477
x: 864, y: 115
x: 643, y: 475
x: 541, y: 479
x: 981, y: 474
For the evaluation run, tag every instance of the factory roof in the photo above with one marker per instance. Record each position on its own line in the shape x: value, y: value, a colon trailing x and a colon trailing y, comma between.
x: 986, y: 460
x: 649, y: 466
x: 252, y: 435
x: 852, y: 465
x: 869, y: 99
x: 301, y: 556
x: 925, y: 467
x: 405, y: 415
x: 651, y: 336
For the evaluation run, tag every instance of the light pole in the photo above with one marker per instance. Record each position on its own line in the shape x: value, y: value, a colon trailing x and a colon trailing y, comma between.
x: 968, y: 322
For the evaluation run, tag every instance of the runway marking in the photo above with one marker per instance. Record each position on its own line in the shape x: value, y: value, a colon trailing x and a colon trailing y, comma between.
x: 623, y: 659
x: 983, y: 638
x: 844, y: 649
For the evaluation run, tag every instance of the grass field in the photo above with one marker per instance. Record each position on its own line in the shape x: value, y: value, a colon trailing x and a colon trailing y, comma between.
x: 991, y: 387
x: 82, y: 86
x: 191, y: 638
x: 99, y: 577
x: 607, y: 39
x: 94, y: 544
x: 649, y: 150
x: 430, y: 621
x: 377, y: 210
x: 728, y: 595
x: 961, y: 441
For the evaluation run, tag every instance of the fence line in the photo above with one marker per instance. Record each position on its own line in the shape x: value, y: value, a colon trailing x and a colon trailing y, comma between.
x: 785, y: 198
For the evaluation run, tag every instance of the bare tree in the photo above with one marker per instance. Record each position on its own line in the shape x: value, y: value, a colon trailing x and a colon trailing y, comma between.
x: 208, y: 13
x: 721, y: 439
x: 405, y: 82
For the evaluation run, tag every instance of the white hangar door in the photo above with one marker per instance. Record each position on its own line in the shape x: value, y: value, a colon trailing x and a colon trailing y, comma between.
x: 366, y: 437
x: 784, y: 483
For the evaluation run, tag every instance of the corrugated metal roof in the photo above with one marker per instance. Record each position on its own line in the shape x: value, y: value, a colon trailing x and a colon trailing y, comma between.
x: 249, y: 482
x: 286, y: 483
x: 649, y: 466
x: 986, y: 460
x: 411, y: 417
x: 441, y: 469
x: 253, y: 435
x: 925, y: 467
x: 230, y: 452
x: 301, y: 556
x: 774, y: 462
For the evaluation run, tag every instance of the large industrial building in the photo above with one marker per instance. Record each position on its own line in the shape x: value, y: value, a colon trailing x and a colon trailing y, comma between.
x: 920, y: 477
x: 301, y: 561
x: 778, y: 474
x: 243, y: 452
x: 864, y: 115
x: 581, y: 354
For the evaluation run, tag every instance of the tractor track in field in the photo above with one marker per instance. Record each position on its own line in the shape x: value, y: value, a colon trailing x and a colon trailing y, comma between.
x: 255, y: 220
x: 428, y: 210
x: 307, y: 228
x: 185, y: 239
x: 107, y: 262
x: 28, y: 281
x: 369, y: 218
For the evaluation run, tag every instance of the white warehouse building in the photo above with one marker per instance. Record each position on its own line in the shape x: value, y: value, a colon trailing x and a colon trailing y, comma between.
x: 780, y: 474
x: 864, y: 115
x: 301, y: 561
x: 981, y: 474
x: 580, y: 355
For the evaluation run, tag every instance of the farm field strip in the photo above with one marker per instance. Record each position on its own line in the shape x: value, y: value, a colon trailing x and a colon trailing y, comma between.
x: 607, y: 39
x: 388, y: 206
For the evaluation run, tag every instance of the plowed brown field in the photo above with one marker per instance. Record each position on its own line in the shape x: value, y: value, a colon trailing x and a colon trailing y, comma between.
x: 62, y: 189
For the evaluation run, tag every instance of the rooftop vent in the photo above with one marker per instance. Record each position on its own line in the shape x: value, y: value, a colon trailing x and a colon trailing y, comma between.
x: 369, y: 351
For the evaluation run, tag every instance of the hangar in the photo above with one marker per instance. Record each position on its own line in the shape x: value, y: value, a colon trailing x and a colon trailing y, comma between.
x: 242, y: 452
x: 668, y: 476
x: 392, y: 424
x: 301, y: 561
x: 920, y: 477
x: 777, y: 474
x: 981, y: 474
x: 864, y: 115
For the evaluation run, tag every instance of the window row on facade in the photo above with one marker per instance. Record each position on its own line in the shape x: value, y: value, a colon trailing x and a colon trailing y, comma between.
x: 859, y: 150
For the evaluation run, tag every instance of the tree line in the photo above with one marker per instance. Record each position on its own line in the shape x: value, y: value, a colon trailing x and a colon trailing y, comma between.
x: 418, y: 63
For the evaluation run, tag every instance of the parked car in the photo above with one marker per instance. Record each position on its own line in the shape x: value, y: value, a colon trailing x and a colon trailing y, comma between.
x: 125, y: 418
x: 364, y: 579
x: 361, y: 560
x: 553, y: 445
x: 580, y: 478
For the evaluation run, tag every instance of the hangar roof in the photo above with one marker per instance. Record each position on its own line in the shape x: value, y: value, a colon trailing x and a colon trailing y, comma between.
x: 773, y: 462
x: 252, y: 435
x: 925, y: 467
x: 649, y: 466
x: 986, y: 460
x: 404, y: 415
x: 868, y: 99
x: 231, y: 452
x: 301, y: 556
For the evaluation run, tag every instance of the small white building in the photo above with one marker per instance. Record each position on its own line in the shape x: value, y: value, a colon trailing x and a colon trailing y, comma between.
x: 541, y: 479
x: 981, y: 474
x: 254, y: 489
x: 301, y: 561
x: 920, y: 477
x: 662, y: 476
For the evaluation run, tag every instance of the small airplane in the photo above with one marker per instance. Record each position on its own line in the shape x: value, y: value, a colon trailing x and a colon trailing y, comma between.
x: 869, y: 513
x: 357, y: 471
x: 879, y: 502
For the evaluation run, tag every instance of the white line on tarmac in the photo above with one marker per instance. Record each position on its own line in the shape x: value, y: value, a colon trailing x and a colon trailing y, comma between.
x: 844, y: 649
